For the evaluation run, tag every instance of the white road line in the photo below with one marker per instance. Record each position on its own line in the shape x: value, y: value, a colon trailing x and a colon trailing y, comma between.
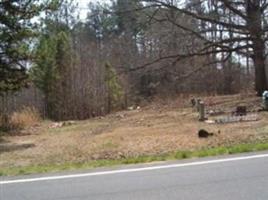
x: 133, y: 170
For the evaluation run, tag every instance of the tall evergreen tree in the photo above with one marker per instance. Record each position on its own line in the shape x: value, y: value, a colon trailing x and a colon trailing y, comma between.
x: 53, y: 60
x: 17, y: 27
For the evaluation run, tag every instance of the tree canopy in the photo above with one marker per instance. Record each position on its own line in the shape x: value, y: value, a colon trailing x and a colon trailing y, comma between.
x: 17, y: 28
x: 226, y: 28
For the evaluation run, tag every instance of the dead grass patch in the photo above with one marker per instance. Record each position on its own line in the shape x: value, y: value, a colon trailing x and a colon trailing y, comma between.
x: 155, y: 129
x: 25, y: 118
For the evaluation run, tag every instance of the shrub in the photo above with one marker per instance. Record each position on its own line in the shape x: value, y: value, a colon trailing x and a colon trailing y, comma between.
x: 25, y: 118
x: 4, y: 123
x: 115, y: 91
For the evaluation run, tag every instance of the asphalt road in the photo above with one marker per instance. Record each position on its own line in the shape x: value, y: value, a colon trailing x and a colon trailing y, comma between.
x: 245, y: 179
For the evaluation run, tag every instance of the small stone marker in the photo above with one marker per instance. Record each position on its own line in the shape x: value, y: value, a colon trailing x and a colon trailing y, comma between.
x: 202, y: 112
x: 193, y: 102
x: 265, y: 100
x: 198, y: 101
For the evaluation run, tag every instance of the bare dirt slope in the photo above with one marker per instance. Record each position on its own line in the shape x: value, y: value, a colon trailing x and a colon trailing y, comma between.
x: 161, y: 127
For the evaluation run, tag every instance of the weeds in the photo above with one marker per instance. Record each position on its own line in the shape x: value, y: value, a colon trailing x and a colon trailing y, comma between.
x: 26, y: 118
x: 20, y: 120
x: 179, y: 155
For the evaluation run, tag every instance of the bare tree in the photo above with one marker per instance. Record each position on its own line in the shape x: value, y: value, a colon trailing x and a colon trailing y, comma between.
x: 246, y: 21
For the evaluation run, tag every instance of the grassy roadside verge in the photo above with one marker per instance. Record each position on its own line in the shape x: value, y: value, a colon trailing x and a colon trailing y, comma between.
x: 179, y: 155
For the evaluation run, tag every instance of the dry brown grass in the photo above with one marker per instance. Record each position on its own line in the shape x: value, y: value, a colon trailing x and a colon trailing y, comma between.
x: 25, y: 118
x: 158, y: 128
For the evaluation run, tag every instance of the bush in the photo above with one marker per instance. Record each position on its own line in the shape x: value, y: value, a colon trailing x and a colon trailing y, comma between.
x: 25, y: 118
x: 115, y: 92
x: 4, y: 123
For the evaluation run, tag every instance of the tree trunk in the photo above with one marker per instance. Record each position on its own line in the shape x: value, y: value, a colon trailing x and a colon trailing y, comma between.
x: 258, y: 45
x: 261, y: 82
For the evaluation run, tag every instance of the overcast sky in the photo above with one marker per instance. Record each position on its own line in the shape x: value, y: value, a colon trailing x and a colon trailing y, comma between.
x: 83, y: 4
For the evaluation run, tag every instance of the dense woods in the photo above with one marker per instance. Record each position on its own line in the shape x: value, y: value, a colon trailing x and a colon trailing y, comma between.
x: 129, y: 50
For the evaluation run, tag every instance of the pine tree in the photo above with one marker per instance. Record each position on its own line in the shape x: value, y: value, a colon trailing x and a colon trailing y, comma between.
x: 114, y: 89
x: 53, y: 60
x: 16, y: 30
x: 51, y: 70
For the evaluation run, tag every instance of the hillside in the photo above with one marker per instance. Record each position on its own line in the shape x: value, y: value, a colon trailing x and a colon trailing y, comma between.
x: 160, y: 127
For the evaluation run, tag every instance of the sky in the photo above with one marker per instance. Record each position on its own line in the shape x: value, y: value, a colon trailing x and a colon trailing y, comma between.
x: 83, y: 5
x: 85, y: 2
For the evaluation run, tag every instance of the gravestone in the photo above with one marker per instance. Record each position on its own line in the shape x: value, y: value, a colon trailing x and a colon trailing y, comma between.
x: 265, y: 100
x: 241, y: 111
x: 201, y: 109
